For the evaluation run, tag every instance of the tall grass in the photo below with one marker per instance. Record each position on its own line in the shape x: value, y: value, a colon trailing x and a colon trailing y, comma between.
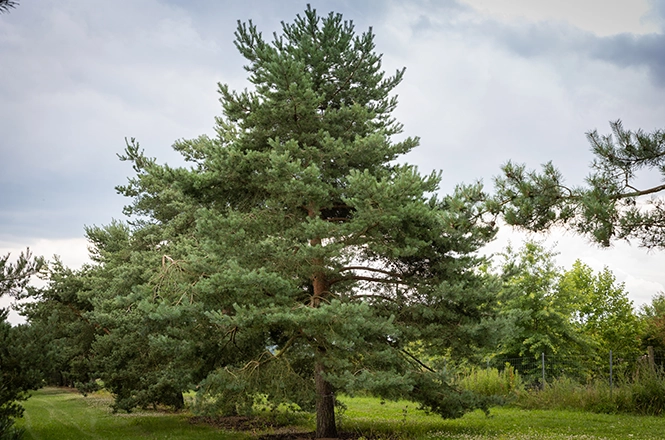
x: 641, y: 393
x: 492, y: 382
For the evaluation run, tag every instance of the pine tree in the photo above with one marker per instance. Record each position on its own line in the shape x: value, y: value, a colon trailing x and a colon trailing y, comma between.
x: 17, y: 376
x: 322, y: 260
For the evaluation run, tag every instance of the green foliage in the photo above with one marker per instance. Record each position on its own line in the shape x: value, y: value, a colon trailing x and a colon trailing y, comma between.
x: 608, y: 207
x: 14, y: 277
x: 237, y: 392
x: 294, y: 244
x: 603, y: 314
x: 648, y: 390
x: 576, y: 314
x: 492, y: 381
x: 653, y: 318
x: 59, y: 332
x: 151, y: 348
x: 17, y: 374
x: 642, y: 393
x: 566, y: 393
x: 13, y: 383
x: 537, y: 315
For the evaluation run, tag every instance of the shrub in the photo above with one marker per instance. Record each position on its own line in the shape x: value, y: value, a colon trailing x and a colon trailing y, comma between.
x: 491, y: 381
x: 648, y: 390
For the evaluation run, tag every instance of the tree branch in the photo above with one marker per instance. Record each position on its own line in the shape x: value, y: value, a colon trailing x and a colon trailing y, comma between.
x: 387, y: 298
x: 364, y: 278
x: 638, y: 193
x: 417, y: 360
x: 370, y: 269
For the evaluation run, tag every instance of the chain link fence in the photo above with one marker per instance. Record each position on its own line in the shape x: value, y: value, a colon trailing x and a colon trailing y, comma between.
x: 611, y: 367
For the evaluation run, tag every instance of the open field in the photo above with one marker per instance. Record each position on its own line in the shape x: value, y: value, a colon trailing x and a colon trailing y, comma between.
x: 56, y: 414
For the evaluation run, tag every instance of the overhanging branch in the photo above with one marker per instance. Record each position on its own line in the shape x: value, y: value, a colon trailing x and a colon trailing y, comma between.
x: 418, y: 361
x: 370, y: 279
x: 370, y: 269
x: 638, y: 193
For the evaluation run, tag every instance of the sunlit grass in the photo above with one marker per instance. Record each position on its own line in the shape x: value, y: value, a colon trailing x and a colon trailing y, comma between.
x: 61, y: 414
x: 56, y: 414
x: 402, y: 420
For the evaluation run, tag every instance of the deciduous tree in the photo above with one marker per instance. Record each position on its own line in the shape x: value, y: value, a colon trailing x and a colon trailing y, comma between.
x: 537, y: 314
x: 603, y: 314
x: 653, y: 317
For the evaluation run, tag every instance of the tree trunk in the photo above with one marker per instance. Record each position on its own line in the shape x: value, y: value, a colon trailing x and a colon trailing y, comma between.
x: 325, y: 405
x: 325, y: 396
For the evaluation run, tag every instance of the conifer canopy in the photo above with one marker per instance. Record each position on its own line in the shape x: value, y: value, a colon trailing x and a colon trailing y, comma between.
x: 320, y: 263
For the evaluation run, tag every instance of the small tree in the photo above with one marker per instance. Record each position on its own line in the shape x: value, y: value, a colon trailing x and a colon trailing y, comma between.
x: 537, y: 315
x: 321, y: 260
x: 653, y: 318
x: 603, y: 313
x: 59, y: 329
x: 15, y: 376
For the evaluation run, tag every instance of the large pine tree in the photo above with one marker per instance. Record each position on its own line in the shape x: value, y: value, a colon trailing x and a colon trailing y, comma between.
x: 322, y: 262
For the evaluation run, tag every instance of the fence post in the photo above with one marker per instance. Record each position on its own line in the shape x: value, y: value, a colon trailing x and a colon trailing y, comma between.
x: 611, y: 378
x: 650, y: 355
x: 542, y: 356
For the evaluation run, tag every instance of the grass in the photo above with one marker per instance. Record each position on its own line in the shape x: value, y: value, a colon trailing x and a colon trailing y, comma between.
x: 56, y: 414
x: 401, y: 419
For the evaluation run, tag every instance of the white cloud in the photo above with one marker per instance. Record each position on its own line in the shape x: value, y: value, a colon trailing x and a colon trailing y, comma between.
x: 642, y: 291
x: 73, y: 252
x: 602, y: 17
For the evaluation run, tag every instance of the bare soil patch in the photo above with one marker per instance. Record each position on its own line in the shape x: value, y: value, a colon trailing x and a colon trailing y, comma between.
x: 235, y: 423
x: 259, y: 426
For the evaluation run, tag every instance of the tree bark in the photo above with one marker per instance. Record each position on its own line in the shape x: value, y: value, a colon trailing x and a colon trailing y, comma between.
x: 325, y: 396
x: 325, y: 405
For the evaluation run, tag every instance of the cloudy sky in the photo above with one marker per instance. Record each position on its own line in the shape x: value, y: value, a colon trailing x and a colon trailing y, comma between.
x: 486, y: 81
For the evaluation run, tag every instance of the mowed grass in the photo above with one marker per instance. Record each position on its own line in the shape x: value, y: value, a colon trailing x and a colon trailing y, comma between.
x: 60, y: 414
x: 56, y: 414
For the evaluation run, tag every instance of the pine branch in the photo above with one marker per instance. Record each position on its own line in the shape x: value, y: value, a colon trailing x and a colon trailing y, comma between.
x: 366, y: 278
x: 638, y: 193
x: 418, y: 361
x: 370, y: 269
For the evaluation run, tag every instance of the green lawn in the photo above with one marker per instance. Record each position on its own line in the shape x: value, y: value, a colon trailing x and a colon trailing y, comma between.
x: 55, y: 414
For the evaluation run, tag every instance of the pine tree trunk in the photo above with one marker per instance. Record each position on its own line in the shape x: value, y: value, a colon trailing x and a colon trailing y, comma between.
x: 325, y: 396
x: 325, y: 405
